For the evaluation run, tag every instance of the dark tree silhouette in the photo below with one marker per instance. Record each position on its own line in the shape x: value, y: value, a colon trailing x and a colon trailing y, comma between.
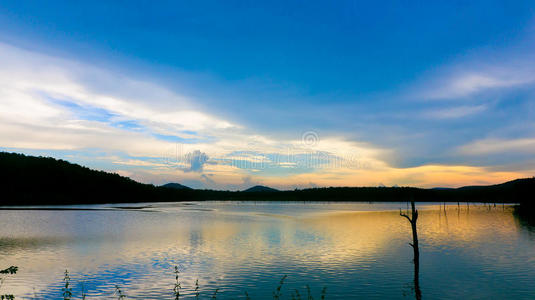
x: 413, y: 219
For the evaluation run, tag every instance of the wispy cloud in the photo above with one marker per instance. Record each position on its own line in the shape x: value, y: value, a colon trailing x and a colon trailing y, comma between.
x: 496, y: 146
x: 470, y: 79
x: 29, y: 80
x: 454, y: 112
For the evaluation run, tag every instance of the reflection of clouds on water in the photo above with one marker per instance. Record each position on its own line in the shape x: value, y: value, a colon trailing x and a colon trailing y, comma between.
x: 235, y: 246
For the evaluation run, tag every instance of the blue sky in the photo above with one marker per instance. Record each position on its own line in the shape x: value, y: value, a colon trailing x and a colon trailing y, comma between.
x: 425, y: 94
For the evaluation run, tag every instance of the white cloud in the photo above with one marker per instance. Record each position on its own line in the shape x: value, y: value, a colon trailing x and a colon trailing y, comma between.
x: 28, y: 80
x: 454, y: 112
x: 496, y: 146
x: 467, y: 80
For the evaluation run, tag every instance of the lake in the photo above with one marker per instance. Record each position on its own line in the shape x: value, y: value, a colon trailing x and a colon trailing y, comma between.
x: 354, y: 250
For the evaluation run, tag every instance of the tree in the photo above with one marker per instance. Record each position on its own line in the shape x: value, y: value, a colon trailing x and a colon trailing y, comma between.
x: 413, y: 219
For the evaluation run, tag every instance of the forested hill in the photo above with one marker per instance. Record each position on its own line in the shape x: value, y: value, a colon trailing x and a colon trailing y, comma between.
x: 43, y: 180
x: 26, y: 180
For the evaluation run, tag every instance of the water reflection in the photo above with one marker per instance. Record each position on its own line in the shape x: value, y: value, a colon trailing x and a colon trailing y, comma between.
x: 355, y: 250
x: 525, y: 220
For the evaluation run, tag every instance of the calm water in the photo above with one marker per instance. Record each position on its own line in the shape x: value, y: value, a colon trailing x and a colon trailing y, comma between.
x: 356, y: 250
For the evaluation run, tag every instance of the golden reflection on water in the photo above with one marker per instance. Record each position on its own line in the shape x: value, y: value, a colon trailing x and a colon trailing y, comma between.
x: 462, y: 225
x: 355, y: 235
x: 220, y: 244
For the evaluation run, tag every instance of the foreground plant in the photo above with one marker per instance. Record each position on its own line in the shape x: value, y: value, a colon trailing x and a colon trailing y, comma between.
x: 277, y: 293
x: 119, y: 293
x: 67, y: 292
x: 177, y: 288
x: 9, y: 271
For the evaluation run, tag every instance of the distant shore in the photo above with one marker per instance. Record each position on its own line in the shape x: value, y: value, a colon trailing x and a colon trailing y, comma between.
x: 30, y: 180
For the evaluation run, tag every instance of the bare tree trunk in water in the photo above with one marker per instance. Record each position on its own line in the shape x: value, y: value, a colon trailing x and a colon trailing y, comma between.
x: 413, y: 219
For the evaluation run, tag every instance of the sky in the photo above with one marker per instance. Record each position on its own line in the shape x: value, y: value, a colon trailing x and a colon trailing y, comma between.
x: 230, y: 94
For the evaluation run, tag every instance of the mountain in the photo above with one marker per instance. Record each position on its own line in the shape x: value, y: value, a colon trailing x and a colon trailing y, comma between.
x: 176, y: 186
x: 260, y: 189
x: 518, y: 190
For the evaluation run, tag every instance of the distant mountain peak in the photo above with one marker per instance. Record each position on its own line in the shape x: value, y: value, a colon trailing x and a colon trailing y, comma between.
x: 260, y: 188
x: 176, y: 186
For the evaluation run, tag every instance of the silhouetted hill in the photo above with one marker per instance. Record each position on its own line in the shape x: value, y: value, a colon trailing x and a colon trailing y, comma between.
x: 518, y: 190
x: 260, y: 189
x: 176, y: 186
x: 30, y: 180
x: 34, y: 180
